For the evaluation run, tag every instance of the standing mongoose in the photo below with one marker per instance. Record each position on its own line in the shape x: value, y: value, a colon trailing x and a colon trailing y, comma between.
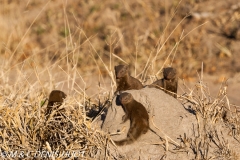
x: 138, y: 116
x: 124, y: 80
x: 56, y: 97
x: 169, y: 82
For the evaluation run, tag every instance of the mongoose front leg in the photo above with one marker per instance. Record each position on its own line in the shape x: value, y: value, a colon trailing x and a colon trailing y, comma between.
x: 124, y: 118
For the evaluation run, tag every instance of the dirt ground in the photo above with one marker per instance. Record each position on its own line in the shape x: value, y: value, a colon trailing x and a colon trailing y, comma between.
x: 214, y: 83
x: 222, y: 32
x: 208, y: 34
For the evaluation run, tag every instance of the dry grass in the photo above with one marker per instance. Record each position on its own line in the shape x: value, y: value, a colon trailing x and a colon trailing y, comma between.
x: 73, y: 46
x: 218, y: 121
x: 134, y: 31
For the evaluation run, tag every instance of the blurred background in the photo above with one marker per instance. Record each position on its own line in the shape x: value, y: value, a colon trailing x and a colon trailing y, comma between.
x: 74, y: 45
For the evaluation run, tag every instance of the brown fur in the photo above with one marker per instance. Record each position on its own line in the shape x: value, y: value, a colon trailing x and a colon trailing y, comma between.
x: 124, y: 80
x: 56, y: 97
x: 169, y: 73
x: 169, y: 82
x: 138, y: 116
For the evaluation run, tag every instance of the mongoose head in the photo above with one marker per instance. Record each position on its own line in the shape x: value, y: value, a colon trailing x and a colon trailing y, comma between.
x: 169, y: 73
x: 56, y: 96
x: 121, y: 71
x: 125, y: 97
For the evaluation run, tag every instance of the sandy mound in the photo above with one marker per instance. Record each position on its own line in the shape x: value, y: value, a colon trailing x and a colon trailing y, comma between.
x: 166, y: 113
x: 179, y: 135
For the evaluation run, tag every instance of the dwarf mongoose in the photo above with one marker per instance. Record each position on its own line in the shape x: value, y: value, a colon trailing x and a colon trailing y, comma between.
x: 169, y: 73
x: 169, y: 82
x: 56, y: 97
x: 124, y: 80
x: 138, y: 116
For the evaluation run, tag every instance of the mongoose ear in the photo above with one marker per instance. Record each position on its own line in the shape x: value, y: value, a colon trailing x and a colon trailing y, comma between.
x: 126, y: 67
x: 175, y: 71
x: 115, y: 67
